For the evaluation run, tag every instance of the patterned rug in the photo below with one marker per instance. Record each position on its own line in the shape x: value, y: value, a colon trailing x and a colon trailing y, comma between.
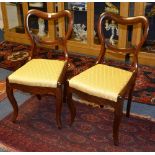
x: 35, y: 130
x: 145, y: 85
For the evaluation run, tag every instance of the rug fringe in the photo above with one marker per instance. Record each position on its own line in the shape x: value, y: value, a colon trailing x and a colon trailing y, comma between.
x: 5, y: 147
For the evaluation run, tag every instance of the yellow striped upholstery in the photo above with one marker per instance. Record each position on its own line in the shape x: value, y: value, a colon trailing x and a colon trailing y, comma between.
x: 38, y: 72
x: 101, y: 81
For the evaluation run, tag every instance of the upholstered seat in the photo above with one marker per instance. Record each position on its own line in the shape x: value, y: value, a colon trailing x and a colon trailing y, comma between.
x: 38, y: 72
x: 102, y: 81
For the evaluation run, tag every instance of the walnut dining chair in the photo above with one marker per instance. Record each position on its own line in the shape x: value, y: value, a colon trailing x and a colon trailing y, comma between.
x: 103, y: 84
x: 42, y: 76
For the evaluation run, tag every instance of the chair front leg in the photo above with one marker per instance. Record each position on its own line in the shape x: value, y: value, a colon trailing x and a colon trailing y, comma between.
x: 9, y: 91
x: 118, y: 112
x: 71, y: 105
x: 59, y: 98
x: 129, y: 100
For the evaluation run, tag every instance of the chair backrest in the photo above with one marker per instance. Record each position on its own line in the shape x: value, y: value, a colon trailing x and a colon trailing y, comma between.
x: 35, y: 40
x: 123, y: 21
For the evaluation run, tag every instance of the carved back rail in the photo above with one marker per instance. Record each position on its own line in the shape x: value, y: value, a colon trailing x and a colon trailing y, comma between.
x: 35, y: 40
x: 123, y: 21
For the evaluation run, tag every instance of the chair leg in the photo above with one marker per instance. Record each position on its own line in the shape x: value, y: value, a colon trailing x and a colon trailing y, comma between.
x: 59, y: 106
x: 9, y: 91
x: 38, y: 97
x: 65, y: 92
x: 71, y: 105
x: 117, y: 119
x: 129, y: 101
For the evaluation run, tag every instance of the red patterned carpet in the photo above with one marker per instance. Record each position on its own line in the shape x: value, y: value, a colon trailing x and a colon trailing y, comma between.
x: 145, y: 86
x: 36, y: 130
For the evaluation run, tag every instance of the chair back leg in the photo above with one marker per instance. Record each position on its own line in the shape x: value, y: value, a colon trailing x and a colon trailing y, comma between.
x: 38, y: 97
x: 65, y: 91
x: 71, y: 105
x: 129, y: 100
x: 59, y: 96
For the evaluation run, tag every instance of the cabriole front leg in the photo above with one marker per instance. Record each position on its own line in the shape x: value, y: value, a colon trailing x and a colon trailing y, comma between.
x: 10, y: 95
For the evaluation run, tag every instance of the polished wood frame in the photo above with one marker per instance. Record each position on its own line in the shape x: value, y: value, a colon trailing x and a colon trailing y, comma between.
x: 128, y: 89
x: 36, y: 41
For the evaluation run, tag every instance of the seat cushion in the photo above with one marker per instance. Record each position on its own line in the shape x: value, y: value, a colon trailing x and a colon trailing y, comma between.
x: 101, y: 81
x: 38, y: 72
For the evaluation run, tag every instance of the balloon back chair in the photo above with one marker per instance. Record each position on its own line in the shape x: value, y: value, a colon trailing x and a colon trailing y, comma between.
x: 42, y: 76
x: 104, y: 84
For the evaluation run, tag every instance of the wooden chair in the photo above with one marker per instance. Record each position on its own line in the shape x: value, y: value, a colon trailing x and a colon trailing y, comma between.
x: 42, y: 76
x: 103, y: 84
